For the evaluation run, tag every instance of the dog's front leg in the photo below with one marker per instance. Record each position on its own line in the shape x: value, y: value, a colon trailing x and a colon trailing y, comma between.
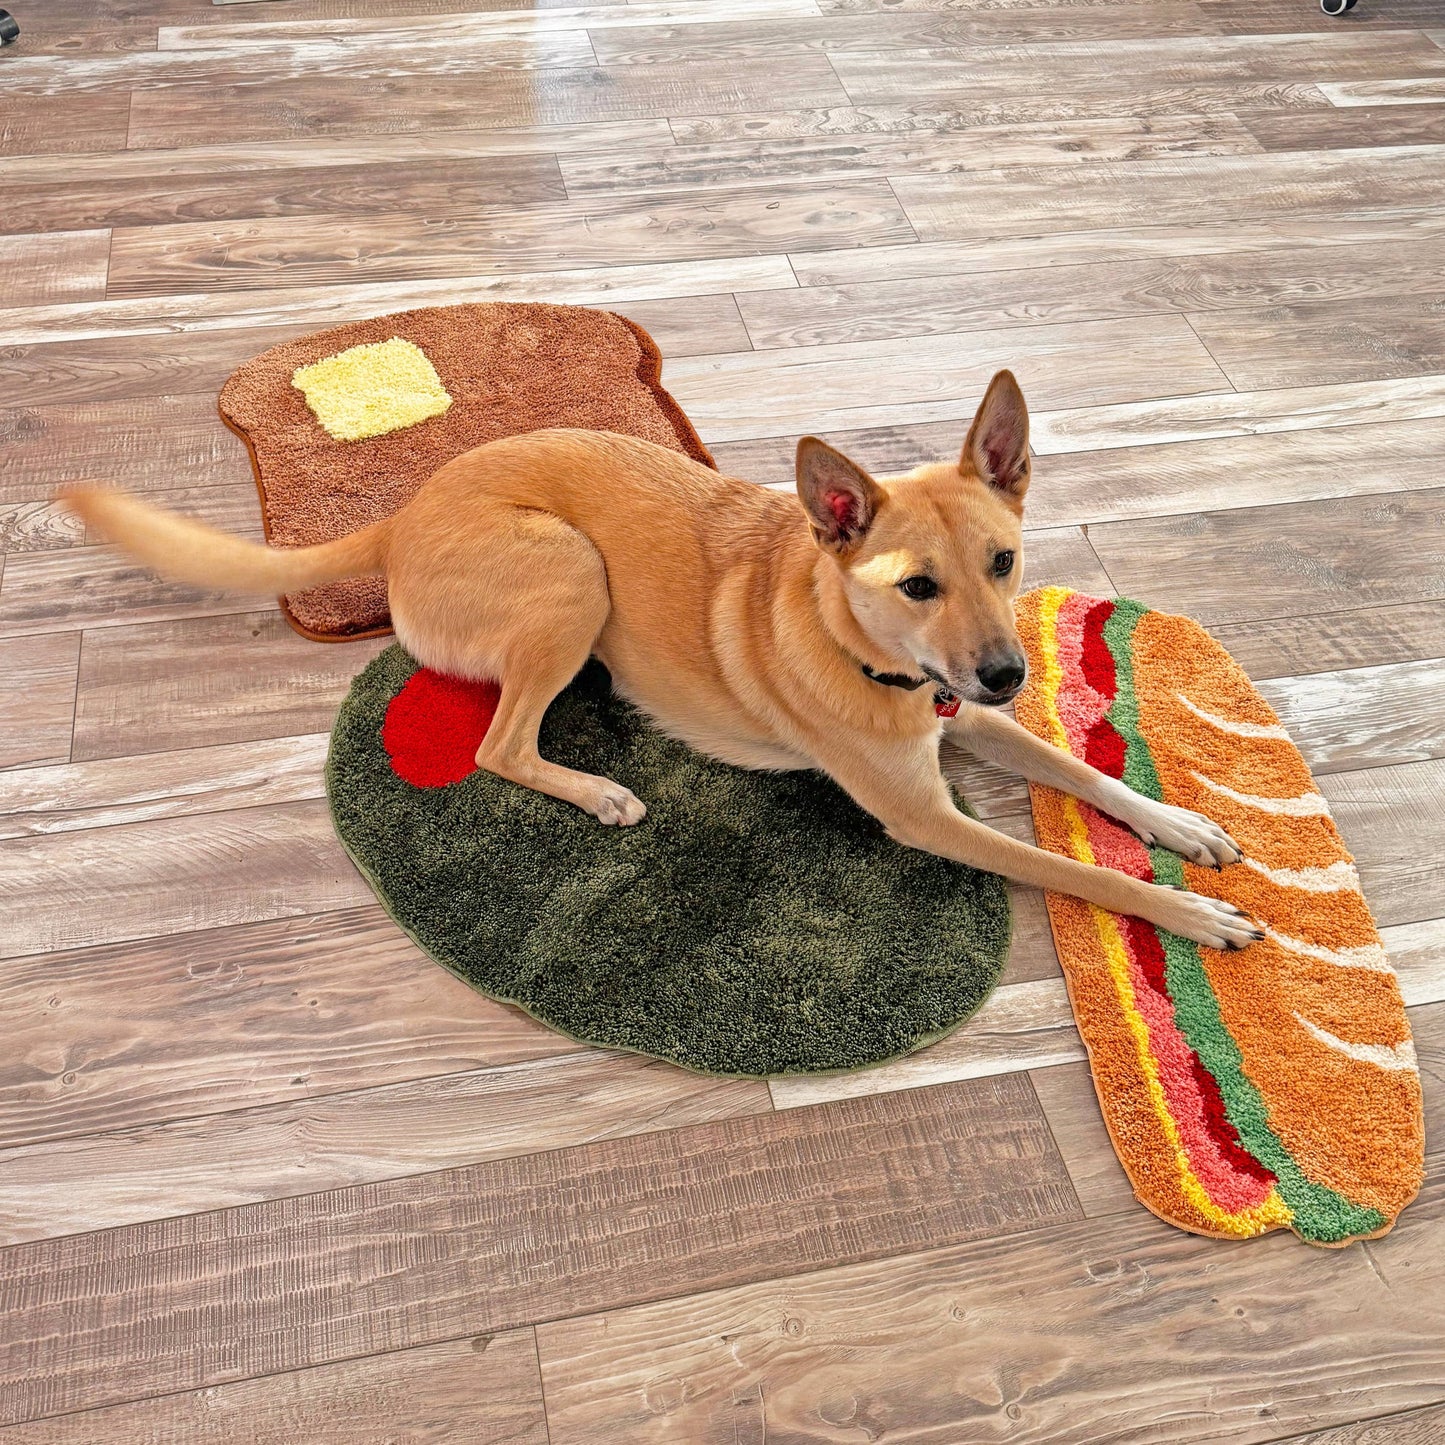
x: 901, y: 785
x: 998, y: 738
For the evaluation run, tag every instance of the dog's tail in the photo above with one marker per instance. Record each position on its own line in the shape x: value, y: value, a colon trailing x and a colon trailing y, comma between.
x: 187, y: 551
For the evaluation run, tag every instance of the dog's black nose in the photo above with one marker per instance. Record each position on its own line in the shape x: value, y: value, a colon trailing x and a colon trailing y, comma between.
x: 1002, y: 674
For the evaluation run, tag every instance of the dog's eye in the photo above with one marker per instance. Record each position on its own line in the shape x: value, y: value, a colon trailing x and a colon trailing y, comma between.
x: 919, y: 588
x: 1003, y: 563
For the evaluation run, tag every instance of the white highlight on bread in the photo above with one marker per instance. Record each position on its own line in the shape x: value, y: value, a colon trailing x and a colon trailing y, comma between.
x: 1396, y: 1058
x: 1370, y: 956
x: 1337, y: 878
x: 1304, y: 806
x: 1239, y: 729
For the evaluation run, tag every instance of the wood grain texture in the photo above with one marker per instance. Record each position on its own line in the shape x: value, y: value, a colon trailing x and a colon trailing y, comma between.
x: 131, y: 1035
x: 134, y: 368
x: 86, y: 587
x: 1417, y: 951
x: 485, y: 1389
x: 63, y: 266
x: 209, y: 779
x: 168, y: 72
x: 1020, y: 1026
x: 883, y: 30
x: 1170, y: 192
x: 190, y: 368
x: 498, y: 20
x: 934, y: 378
x: 1329, y: 56
x: 1366, y: 717
x: 763, y: 162
x: 1372, y: 125
x: 1230, y: 413
x: 186, y: 163
x: 881, y: 450
x: 1259, y: 562
x: 1240, y: 237
x: 503, y: 20
x: 307, y: 250
x: 689, y: 325
x: 50, y: 125
x: 318, y: 106
x: 980, y: 1343
x: 218, y: 1161
x: 1003, y: 105
x: 1113, y: 484
x: 438, y: 188
x: 174, y: 875
x: 1264, y: 468
x: 1322, y: 342
x: 38, y: 524
x: 1244, y: 17
x: 1325, y: 641
x: 1409, y: 91
x: 200, y: 681
x: 319, y: 306
x: 152, y: 440
x: 1390, y: 817
x: 1066, y: 1095
x: 37, y: 703
x: 1413, y: 1427
x: 1431, y: 1054
x: 209, y: 1298
x: 1327, y: 285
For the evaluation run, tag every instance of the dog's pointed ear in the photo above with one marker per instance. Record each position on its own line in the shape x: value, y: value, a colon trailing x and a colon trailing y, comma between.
x: 840, y: 498
x: 998, y: 441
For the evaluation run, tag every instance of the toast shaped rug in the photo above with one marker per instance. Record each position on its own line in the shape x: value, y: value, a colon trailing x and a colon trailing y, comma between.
x: 755, y: 923
x: 1271, y: 1088
x: 344, y: 425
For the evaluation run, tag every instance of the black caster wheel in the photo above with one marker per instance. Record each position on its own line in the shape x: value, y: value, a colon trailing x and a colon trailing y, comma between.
x: 9, y: 30
x: 1336, y: 7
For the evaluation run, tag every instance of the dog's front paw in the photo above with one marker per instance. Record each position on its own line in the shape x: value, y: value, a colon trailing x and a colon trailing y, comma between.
x: 1210, y: 921
x: 617, y: 806
x: 1190, y: 834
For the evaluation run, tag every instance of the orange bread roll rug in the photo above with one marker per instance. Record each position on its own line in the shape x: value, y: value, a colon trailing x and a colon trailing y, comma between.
x: 1271, y: 1088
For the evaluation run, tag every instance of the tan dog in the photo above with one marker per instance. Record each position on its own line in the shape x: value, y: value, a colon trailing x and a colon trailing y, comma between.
x: 764, y: 634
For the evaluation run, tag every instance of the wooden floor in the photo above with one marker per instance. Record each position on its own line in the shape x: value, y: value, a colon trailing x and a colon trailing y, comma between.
x: 266, y: 1173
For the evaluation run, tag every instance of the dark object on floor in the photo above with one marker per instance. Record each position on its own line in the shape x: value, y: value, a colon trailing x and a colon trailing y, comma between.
x: 389, y: 401
x: 751, y: 924
x: 1336, y: 7
x: 9, y: 28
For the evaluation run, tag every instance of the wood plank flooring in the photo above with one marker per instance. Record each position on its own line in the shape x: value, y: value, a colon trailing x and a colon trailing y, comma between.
x: 269, y: 1174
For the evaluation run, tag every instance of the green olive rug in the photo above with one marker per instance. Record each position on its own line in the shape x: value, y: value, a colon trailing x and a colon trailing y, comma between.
x: 752, y: 924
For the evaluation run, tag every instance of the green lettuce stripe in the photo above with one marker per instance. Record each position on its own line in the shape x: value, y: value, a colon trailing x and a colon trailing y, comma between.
x: 1320, y: 1213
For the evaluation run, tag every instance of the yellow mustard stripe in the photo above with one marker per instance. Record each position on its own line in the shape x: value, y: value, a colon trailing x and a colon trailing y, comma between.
x: 1050, y: 600
x: 1273, y: 1211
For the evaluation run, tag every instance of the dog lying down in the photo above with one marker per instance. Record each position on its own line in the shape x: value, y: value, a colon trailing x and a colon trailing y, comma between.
x: 764, y: 632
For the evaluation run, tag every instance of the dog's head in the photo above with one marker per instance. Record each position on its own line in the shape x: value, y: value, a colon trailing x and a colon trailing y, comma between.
x: 930, y: 561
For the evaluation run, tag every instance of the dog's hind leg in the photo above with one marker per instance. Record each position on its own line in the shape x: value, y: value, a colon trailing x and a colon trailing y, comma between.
x: 553, y: 625
x: 532, y: 678
x: 528, y: 616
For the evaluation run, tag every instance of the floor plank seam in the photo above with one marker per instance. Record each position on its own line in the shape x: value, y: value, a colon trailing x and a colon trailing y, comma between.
x: 541, y: 1385
x: 1054, y: 1140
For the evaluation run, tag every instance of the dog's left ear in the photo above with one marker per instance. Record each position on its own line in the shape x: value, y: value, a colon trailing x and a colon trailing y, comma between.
x: 840, y: 498
x: 998, y: 441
